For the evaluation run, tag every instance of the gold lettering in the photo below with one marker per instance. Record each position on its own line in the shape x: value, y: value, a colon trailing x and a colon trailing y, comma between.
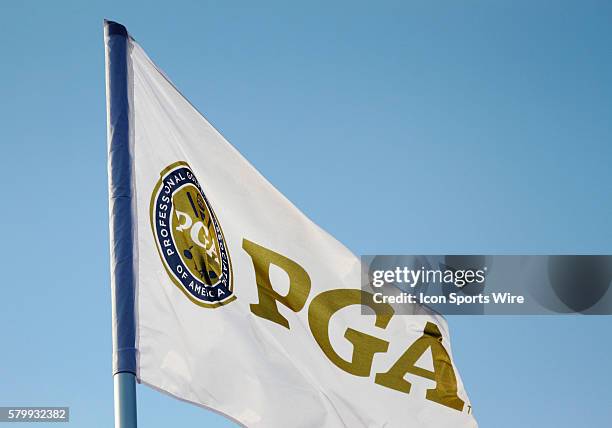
x: 445, y: 392
x: 299, y: 283
x: 325, y: 305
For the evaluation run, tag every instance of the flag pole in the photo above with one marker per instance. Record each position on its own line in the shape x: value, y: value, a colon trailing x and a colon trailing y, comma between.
x: 120, y: 183
x: 125, y: 400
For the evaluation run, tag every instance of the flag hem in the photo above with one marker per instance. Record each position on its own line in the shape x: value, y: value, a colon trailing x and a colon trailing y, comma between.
x: 123, y: 252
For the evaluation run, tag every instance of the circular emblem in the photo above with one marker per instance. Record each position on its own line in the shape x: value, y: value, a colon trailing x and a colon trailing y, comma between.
x: 189, y: 238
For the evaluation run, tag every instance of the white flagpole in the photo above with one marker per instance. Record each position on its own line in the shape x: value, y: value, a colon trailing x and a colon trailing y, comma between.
x: 118, y: 94
x: 125, y: 400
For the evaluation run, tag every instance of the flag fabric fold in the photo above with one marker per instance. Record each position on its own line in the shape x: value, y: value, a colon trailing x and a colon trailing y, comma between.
x: 241, y: 303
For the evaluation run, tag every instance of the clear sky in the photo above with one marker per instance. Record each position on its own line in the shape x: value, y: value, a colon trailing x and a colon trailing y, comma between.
x: 400, y: 127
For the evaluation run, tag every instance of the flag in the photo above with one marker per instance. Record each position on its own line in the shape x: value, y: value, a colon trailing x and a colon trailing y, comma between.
x: 225, y: 295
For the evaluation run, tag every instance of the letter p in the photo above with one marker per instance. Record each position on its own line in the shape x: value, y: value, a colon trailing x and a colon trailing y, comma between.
x: 299, y: 283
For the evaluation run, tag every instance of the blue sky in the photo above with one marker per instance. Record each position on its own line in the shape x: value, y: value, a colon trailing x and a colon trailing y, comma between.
x: 399, y: 127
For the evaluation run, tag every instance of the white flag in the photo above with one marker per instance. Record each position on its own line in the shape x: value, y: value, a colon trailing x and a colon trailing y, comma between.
x: 242, y: 304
